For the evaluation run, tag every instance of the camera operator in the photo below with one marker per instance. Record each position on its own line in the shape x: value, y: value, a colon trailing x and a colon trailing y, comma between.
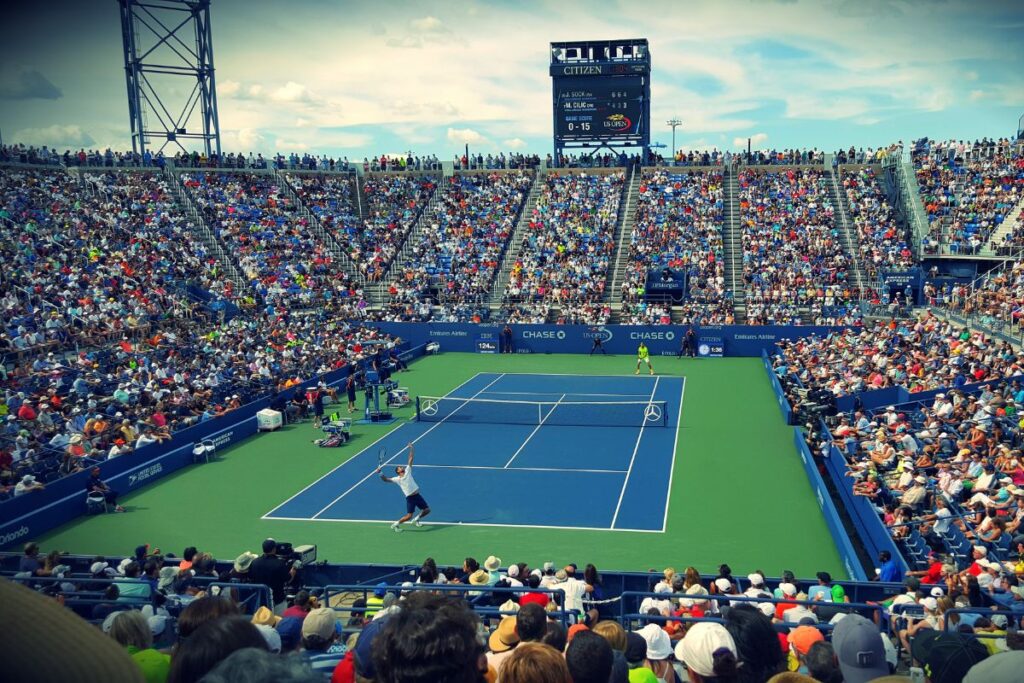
x: 273, y: 572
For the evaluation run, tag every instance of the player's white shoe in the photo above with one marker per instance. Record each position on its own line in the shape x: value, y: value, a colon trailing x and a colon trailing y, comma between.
x: 395, y: 527
x: 637, y: 371
x: 418, y: 523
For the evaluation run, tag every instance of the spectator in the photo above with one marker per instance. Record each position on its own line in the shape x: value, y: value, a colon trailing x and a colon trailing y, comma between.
x: 133, y: 632
x: 709, y: 653
x: 212, y: 643
x: 431, y: 639
x: 536, y: 663
x: 589, y: 658
x: 319, y: 636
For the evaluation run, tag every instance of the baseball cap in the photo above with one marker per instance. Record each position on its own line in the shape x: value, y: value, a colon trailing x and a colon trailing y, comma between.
x: 802, y: 637
x: 364, y: 647
x: 1004, y: 667
x: 319, y: 622
x: 947, y: 657
x: 859, y: 649
x: 636, y: 648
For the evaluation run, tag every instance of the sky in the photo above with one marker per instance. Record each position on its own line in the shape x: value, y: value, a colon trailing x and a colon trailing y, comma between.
x: 358, y: 78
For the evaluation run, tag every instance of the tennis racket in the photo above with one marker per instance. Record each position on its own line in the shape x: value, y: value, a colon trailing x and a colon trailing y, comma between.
x: 382, y: 456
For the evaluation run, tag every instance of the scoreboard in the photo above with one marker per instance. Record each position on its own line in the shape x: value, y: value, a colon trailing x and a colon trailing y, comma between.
x: 590, y: 108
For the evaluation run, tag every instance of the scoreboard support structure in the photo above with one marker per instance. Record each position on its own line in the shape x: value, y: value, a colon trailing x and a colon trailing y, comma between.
x: 601, y: 97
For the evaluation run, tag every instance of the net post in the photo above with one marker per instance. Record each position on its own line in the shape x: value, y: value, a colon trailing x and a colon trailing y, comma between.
x: 417, y: 408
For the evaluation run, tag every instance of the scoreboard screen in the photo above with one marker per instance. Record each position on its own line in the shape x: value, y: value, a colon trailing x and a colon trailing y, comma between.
x: 598, y: 107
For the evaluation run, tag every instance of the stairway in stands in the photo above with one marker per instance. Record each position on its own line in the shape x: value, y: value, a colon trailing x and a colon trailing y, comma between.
x: 1012, y: 221
x: 341, y: 256
x: 623, y: 237
x: 206, y: 233
x: 378, y: 291
x: 847, y: 232
x: 515, y: 243
x: 732, y: 239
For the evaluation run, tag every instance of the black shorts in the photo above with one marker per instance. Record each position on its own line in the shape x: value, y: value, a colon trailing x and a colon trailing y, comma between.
x: 415, y: 501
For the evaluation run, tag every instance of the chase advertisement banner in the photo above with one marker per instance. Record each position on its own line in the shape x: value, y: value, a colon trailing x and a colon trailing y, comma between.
x: 662, y: 340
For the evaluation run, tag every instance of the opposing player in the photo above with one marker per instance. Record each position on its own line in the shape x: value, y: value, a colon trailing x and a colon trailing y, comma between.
x: 413, y: 499
x: 643, y: 356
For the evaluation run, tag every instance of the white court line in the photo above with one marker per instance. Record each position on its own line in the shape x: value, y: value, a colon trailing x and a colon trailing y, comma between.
x: 389, y: 433
x: 555, y: 393
x: 535, y: 430
x: 633, y: 459
x: 520, y: 469
x: 455, y: 524
x: 573, y: 374
x: 675, y: 448
x: 432, y: 428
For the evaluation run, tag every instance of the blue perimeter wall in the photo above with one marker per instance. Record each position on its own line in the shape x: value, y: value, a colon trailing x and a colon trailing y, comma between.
x: 662, y: 340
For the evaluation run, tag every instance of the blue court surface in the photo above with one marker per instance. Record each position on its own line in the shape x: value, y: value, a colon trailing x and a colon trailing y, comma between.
x: 592, y: 453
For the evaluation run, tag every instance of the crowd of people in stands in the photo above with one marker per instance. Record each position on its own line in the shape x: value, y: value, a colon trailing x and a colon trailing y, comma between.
x: 678, y: 233
x: 458, y: 252
x: 994, y: 301
x: 569, y: 243
x: 87, y: 267
x: 793, y: 257
x: 883, y: 244
x: 285, y: 261
x: 968, y: 188
x: 918, y: 355
x: 188, y: 619
x: 64, y: 413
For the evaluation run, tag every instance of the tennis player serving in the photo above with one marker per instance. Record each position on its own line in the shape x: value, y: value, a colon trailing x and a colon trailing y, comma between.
x: 643, y: 356
x: 413, y: 499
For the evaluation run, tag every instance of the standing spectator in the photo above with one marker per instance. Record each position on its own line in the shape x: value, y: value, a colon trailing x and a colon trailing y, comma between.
x: 272, y: 571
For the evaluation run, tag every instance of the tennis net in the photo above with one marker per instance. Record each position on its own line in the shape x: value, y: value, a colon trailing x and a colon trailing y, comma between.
x: 564, y: 413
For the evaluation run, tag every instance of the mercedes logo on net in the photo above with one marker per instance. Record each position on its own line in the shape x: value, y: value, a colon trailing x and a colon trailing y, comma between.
x: 429, y: 407
x: 652, y: 413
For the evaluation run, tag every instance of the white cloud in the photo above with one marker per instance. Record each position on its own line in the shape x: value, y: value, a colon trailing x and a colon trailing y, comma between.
x: 228, y: 88
x: 464, y: 136
x: 514, y: 143
x: 243, y: 140
x: 55, y: 136
x: 825, y: 106
x: 976, y: 95
x: 291, y: 146
x: 292, y: 92
x: 756, y: 140
x: 429, y: 24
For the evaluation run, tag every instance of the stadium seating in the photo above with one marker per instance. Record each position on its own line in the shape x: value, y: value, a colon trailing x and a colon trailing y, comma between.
x: 457, y: 254
x: 968, y: 189
x: 283, y: 259
x: 565, y: 254
x: 678, y: 226
x: 882, y: 244
x: 793, y: 260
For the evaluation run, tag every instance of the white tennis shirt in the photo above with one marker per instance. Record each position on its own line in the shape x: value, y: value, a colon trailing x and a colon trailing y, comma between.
x: 406, y: 482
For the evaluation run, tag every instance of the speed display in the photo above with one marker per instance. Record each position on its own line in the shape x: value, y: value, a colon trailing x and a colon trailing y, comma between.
x: 598, y: 107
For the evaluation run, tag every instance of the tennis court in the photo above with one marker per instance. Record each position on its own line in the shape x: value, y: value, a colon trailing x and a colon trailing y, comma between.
x: 504, y: 449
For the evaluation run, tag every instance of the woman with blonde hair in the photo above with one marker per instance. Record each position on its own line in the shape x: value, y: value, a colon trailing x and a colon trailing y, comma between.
x: 613, y: 632
x: 535, y: 663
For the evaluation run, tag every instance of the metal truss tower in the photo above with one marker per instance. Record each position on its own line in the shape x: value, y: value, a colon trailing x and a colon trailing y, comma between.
x: 167, y: 42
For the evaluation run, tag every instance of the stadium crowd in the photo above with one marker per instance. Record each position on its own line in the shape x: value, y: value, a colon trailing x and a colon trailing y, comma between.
x: 284, y: 260
x: 85, y: 266
x: 968, y: 189
x: 678, y: 229
x: 63, y: 414
x: 188, y: 619
x: 565, y: 254
x: 918, y: 355
x: 882, y: 243
x: 792, y: 255
x: 459, y: 250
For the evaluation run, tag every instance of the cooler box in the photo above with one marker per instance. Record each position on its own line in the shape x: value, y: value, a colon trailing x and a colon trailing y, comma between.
x: 268, y: 420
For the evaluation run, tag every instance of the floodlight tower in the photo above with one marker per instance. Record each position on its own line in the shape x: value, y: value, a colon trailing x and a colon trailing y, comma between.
x: 167, y: 42
x: 674, y: 122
